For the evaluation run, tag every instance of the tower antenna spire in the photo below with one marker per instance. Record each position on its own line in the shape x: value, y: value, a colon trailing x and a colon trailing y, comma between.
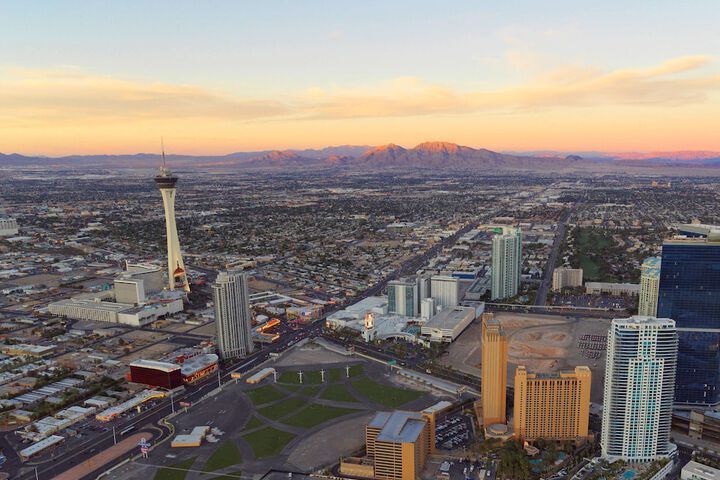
x: 162, y: 148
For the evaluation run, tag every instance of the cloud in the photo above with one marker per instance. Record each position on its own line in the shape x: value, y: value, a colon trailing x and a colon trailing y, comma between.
x: 68, y: 94
x: 47, y: 97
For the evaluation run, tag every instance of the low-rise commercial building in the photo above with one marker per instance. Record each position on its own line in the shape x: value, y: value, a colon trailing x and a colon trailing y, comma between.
x: 697, y: 471
x: 156, y: 374
x: 449, y: 323
x: 598, y: 288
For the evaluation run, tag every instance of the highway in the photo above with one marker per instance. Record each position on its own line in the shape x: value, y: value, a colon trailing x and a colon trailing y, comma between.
x: 546, y: 284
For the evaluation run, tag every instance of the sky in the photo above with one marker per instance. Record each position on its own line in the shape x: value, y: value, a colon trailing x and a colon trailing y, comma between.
x: 213, y: 77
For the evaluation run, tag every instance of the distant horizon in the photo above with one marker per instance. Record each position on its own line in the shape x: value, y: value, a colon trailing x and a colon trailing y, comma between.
x: 528, y: 152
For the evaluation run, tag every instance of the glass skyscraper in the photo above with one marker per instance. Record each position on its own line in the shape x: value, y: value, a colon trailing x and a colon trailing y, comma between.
x: 689, y: 293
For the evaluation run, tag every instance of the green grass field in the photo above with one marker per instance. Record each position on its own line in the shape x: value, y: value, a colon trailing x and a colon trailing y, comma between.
x: 280, y: 409
x: 338, y: 393
x: 311, y: 377
x: 356, y: 370
x: 177, y: 471
x: 254, y: 422
x: 384, y: 394
x: 310, y: 391
x: 265, y: 394
x: 316, y: 414
x: 229, y: 476
x: 226, y: 455
x: 268, y: 442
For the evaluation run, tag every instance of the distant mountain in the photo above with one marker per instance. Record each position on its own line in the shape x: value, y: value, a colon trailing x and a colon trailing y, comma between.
x: 427, y: 155
x: 444, y: 155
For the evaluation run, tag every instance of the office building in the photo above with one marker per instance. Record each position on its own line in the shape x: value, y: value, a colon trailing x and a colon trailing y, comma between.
x: 554, y: 406
x: 649, y: 287
x: 494, y: 370
x: 8, y: 227
x: 233, y: 318
x: 449, y: 323
x: 506, y: 263
x: 403, y: 297
x: 567, y: 278
x: 177, y: 277
x: 445, y: 291
x: 639, y: 386
x: 397, y: 446
x: 689, y: 293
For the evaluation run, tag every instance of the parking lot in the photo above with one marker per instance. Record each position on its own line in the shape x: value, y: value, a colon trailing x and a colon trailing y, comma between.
x: 454, y: 431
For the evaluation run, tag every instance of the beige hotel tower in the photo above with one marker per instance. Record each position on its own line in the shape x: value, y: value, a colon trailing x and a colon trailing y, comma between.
x: 494, y: 371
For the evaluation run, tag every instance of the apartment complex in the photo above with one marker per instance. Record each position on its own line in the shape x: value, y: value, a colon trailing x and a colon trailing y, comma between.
x: 552, y: 406
x: 233, y: 318
x: 494, y: 370
x: 506, y: 263
x: 567, y: 278
x: 639, y: 387
x: 649, y: 287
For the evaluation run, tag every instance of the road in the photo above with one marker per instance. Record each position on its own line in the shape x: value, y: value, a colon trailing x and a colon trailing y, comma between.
x: 544, y: 288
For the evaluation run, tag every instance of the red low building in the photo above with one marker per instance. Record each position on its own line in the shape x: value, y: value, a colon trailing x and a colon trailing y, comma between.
x: 156, y: 374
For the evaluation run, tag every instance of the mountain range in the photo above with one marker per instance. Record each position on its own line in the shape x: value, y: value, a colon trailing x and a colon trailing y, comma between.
x: 427, y: 155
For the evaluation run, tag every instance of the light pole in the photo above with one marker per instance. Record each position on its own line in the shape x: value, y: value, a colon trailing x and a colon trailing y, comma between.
x: 219, y: 380
x: 36, y: 474
x: 172, y: 402
x: 114, y: 438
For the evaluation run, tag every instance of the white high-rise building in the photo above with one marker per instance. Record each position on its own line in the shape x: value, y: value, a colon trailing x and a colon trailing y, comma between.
x: 445, y: 291
x: 567, y: 277
x: 177, y: 278
x: 424, y: 285
x: 403, y: 297
x: 233, y: 318
x: 506, y: 263
x: 649, y: 287
x: 639, y: 388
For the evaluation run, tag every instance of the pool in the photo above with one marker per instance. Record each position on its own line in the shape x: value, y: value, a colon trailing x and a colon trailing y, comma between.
x: 629, y: 475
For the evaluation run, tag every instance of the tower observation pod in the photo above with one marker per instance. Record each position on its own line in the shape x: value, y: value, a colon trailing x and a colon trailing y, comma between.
x: 177, y: 278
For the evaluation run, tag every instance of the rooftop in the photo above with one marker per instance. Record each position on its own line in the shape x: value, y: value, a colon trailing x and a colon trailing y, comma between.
x: 449, y: 318
x: 398, y: 426
x: 154, y: 364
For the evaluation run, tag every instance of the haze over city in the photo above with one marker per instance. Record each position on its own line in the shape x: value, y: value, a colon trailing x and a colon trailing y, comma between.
x: 370, y: 240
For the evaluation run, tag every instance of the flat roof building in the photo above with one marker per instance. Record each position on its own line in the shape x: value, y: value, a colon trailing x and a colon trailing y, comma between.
x: 448, y: 323
x: 567, y: 278
x: 156, y: 374
x: 597, y: 288
x: 554, y: 406
x: 698, y: 471
x: 399, y: 443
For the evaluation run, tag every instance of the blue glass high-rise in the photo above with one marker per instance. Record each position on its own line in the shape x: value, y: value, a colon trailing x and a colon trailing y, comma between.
x: 690, y: 294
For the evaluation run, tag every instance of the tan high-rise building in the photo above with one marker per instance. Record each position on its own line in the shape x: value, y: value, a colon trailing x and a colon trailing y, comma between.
x: 552, y: 406
x: 398, y: 443
x: 494, y: 370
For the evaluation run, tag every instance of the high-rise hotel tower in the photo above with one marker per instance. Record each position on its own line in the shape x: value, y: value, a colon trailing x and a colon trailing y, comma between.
x: 177, y: 278
x: 639, y: 387
x: 233, y: 318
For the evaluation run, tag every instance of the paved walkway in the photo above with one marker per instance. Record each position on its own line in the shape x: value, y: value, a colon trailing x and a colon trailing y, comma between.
x: 104, y: 457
